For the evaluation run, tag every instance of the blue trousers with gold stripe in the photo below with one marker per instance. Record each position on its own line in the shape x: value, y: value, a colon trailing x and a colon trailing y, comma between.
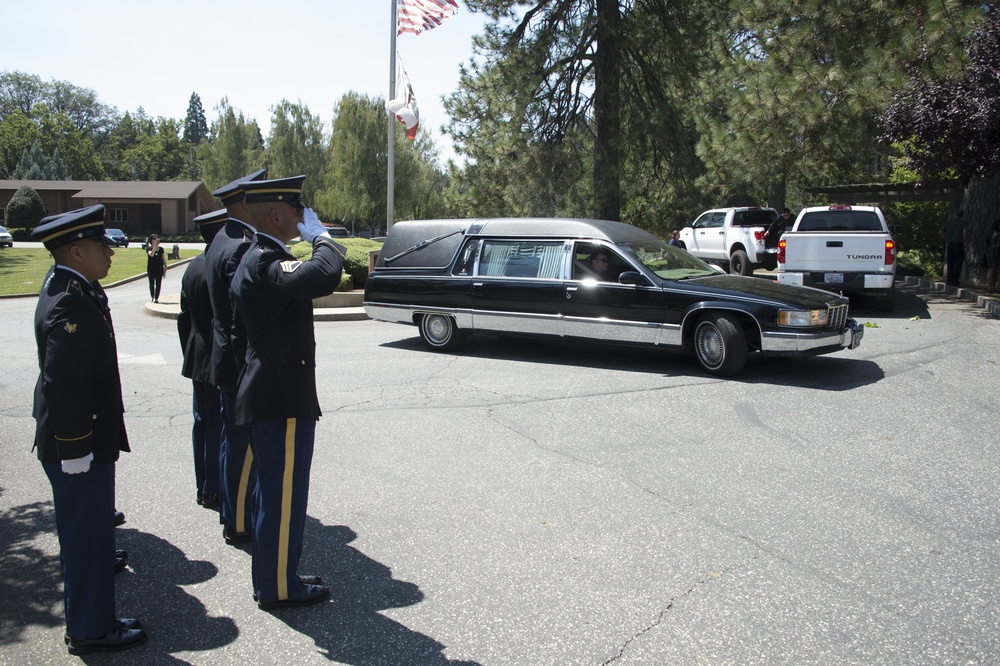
x: 283, y: 450
x: 84, y: 508
x: 238, y: 473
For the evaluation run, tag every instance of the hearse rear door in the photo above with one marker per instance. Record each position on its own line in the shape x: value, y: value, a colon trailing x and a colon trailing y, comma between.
x: 517, y: 286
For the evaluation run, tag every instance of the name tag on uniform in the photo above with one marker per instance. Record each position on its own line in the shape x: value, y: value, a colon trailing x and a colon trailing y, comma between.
x: 290, y: 266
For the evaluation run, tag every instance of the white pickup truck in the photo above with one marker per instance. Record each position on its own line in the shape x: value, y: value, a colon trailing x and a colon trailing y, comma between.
x: 840, y: 249
x: 733, y: 237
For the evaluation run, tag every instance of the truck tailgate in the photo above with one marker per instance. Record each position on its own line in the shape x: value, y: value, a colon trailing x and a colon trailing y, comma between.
x: 837, y: 251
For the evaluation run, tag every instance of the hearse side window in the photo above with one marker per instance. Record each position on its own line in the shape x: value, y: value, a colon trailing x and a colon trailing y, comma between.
x: 585, y: 268
x: 466, y: 263
x: 520, y: 258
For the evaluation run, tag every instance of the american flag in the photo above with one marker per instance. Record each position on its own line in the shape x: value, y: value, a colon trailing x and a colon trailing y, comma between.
x: 418, y: 15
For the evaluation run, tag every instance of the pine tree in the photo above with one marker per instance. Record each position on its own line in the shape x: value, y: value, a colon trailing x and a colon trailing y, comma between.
x: 36, y: 165
x: 195, y: 125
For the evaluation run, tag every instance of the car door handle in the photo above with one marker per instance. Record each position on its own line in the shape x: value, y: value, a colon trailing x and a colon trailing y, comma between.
x: 570, y: 291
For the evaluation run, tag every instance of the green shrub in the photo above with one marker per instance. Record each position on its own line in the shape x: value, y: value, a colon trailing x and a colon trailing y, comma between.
x: 919, y: 263
x: 356, y: 261
x: 25, y: 209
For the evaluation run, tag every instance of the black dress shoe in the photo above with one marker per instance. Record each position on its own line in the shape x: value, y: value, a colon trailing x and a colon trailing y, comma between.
x: 234, y: 538
x: 307, y: 596
x: 120, y: 564
x: 209, y: 501
x: 119, y: 518
x: 305, y: 580
x: 122, y: 622
x: 122, y: 554
x: 119, y: 639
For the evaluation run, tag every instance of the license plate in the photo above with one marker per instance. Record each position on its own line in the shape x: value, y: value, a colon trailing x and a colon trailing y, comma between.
x: 833, y: 277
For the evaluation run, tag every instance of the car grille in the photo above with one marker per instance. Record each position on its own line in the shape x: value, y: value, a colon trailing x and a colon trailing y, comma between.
x: 837, y: 318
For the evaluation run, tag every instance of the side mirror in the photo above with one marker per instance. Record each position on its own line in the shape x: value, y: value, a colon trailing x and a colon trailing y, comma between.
x: 635, y: 278
x: 897, y: 230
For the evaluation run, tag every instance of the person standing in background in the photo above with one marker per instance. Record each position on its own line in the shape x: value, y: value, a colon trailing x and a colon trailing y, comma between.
x: 156, y: 267
x: 80, y: 425
x: 194, y: 326
x: 956, y: 235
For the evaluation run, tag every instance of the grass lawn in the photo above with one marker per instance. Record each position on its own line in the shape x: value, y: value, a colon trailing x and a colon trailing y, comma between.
x: 23, y: 269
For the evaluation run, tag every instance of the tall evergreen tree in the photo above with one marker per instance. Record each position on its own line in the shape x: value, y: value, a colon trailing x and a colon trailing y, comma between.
x: 794, y: 92
x: 552, y: 72
x: 36, y: 165
x: 195, y: 125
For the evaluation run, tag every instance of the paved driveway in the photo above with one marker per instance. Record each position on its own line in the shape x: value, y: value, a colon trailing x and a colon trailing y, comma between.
x: 529, y: 502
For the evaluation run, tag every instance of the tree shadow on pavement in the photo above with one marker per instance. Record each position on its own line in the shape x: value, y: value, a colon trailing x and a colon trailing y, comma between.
x: 30, y: 578
x: 349, y: 629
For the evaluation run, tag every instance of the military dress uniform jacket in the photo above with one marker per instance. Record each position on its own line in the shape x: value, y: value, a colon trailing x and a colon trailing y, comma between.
x: 195, y: 324
x: 78, y: 405
x: 221, y: 259
x: 274, y: 294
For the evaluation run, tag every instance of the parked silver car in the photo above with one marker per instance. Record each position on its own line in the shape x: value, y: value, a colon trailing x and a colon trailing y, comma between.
x: 6, y: 240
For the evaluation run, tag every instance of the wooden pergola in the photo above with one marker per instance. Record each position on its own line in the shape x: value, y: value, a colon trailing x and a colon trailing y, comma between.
x: 949, y: 190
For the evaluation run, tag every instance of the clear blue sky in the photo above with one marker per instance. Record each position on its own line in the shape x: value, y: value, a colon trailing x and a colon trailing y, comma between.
x: 134, y: 53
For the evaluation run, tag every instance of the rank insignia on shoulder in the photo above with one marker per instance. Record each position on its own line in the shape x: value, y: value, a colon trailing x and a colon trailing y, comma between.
x: 74, y: 285
x: 290, y: 266
x: 69, y: 328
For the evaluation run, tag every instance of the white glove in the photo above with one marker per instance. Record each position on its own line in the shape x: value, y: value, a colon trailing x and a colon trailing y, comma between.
x: 310, y: 227
x: 77, y: 465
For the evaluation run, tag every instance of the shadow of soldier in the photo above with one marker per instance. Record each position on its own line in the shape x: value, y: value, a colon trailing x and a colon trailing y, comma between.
x: 176, y: 621
x: 349, y: 629
x: 30, y: 578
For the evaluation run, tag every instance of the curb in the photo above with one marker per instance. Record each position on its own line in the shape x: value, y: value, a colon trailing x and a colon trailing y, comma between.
x: 991, y: 306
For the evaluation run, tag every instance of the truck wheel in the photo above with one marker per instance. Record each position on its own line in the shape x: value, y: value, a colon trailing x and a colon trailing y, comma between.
x: 440, y: 332
x: 720, y: 344
x: 739, y: 263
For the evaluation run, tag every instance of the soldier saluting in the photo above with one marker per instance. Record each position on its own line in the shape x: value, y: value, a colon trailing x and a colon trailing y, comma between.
x: 80, y: 425
x: 276, y: 394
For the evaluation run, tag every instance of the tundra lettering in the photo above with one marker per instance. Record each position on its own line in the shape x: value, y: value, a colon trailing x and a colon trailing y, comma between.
x: 864, y: 256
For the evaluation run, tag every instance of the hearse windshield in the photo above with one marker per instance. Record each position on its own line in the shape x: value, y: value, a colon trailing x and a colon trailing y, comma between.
x: 667, y: 261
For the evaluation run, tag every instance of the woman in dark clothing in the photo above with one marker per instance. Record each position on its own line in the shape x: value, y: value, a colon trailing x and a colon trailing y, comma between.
x: 156, y: 267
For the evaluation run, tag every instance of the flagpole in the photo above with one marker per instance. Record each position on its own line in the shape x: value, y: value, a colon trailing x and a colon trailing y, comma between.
x: 390, y: 193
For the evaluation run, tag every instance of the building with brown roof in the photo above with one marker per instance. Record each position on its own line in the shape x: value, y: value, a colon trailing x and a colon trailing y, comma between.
x: 136, y: 207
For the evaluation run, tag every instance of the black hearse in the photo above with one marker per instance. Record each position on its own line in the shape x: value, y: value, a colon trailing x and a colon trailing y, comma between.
x: 549, y: 277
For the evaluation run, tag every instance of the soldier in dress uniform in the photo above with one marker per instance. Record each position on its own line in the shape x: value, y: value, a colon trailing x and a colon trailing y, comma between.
x: 238, y: 478
x: 80, y: 425
x: 195, y: 328
x: 276, y: 396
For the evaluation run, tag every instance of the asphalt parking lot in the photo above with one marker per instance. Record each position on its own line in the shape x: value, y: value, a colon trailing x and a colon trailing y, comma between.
x: 527, y: 502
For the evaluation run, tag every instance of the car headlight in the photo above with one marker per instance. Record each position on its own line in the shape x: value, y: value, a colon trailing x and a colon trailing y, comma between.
x: 802, y: 318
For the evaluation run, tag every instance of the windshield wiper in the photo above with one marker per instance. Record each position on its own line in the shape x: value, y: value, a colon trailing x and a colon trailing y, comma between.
x: 421, y: 245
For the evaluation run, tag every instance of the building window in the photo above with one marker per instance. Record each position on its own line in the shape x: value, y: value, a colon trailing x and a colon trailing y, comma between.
x: 118, y: 214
